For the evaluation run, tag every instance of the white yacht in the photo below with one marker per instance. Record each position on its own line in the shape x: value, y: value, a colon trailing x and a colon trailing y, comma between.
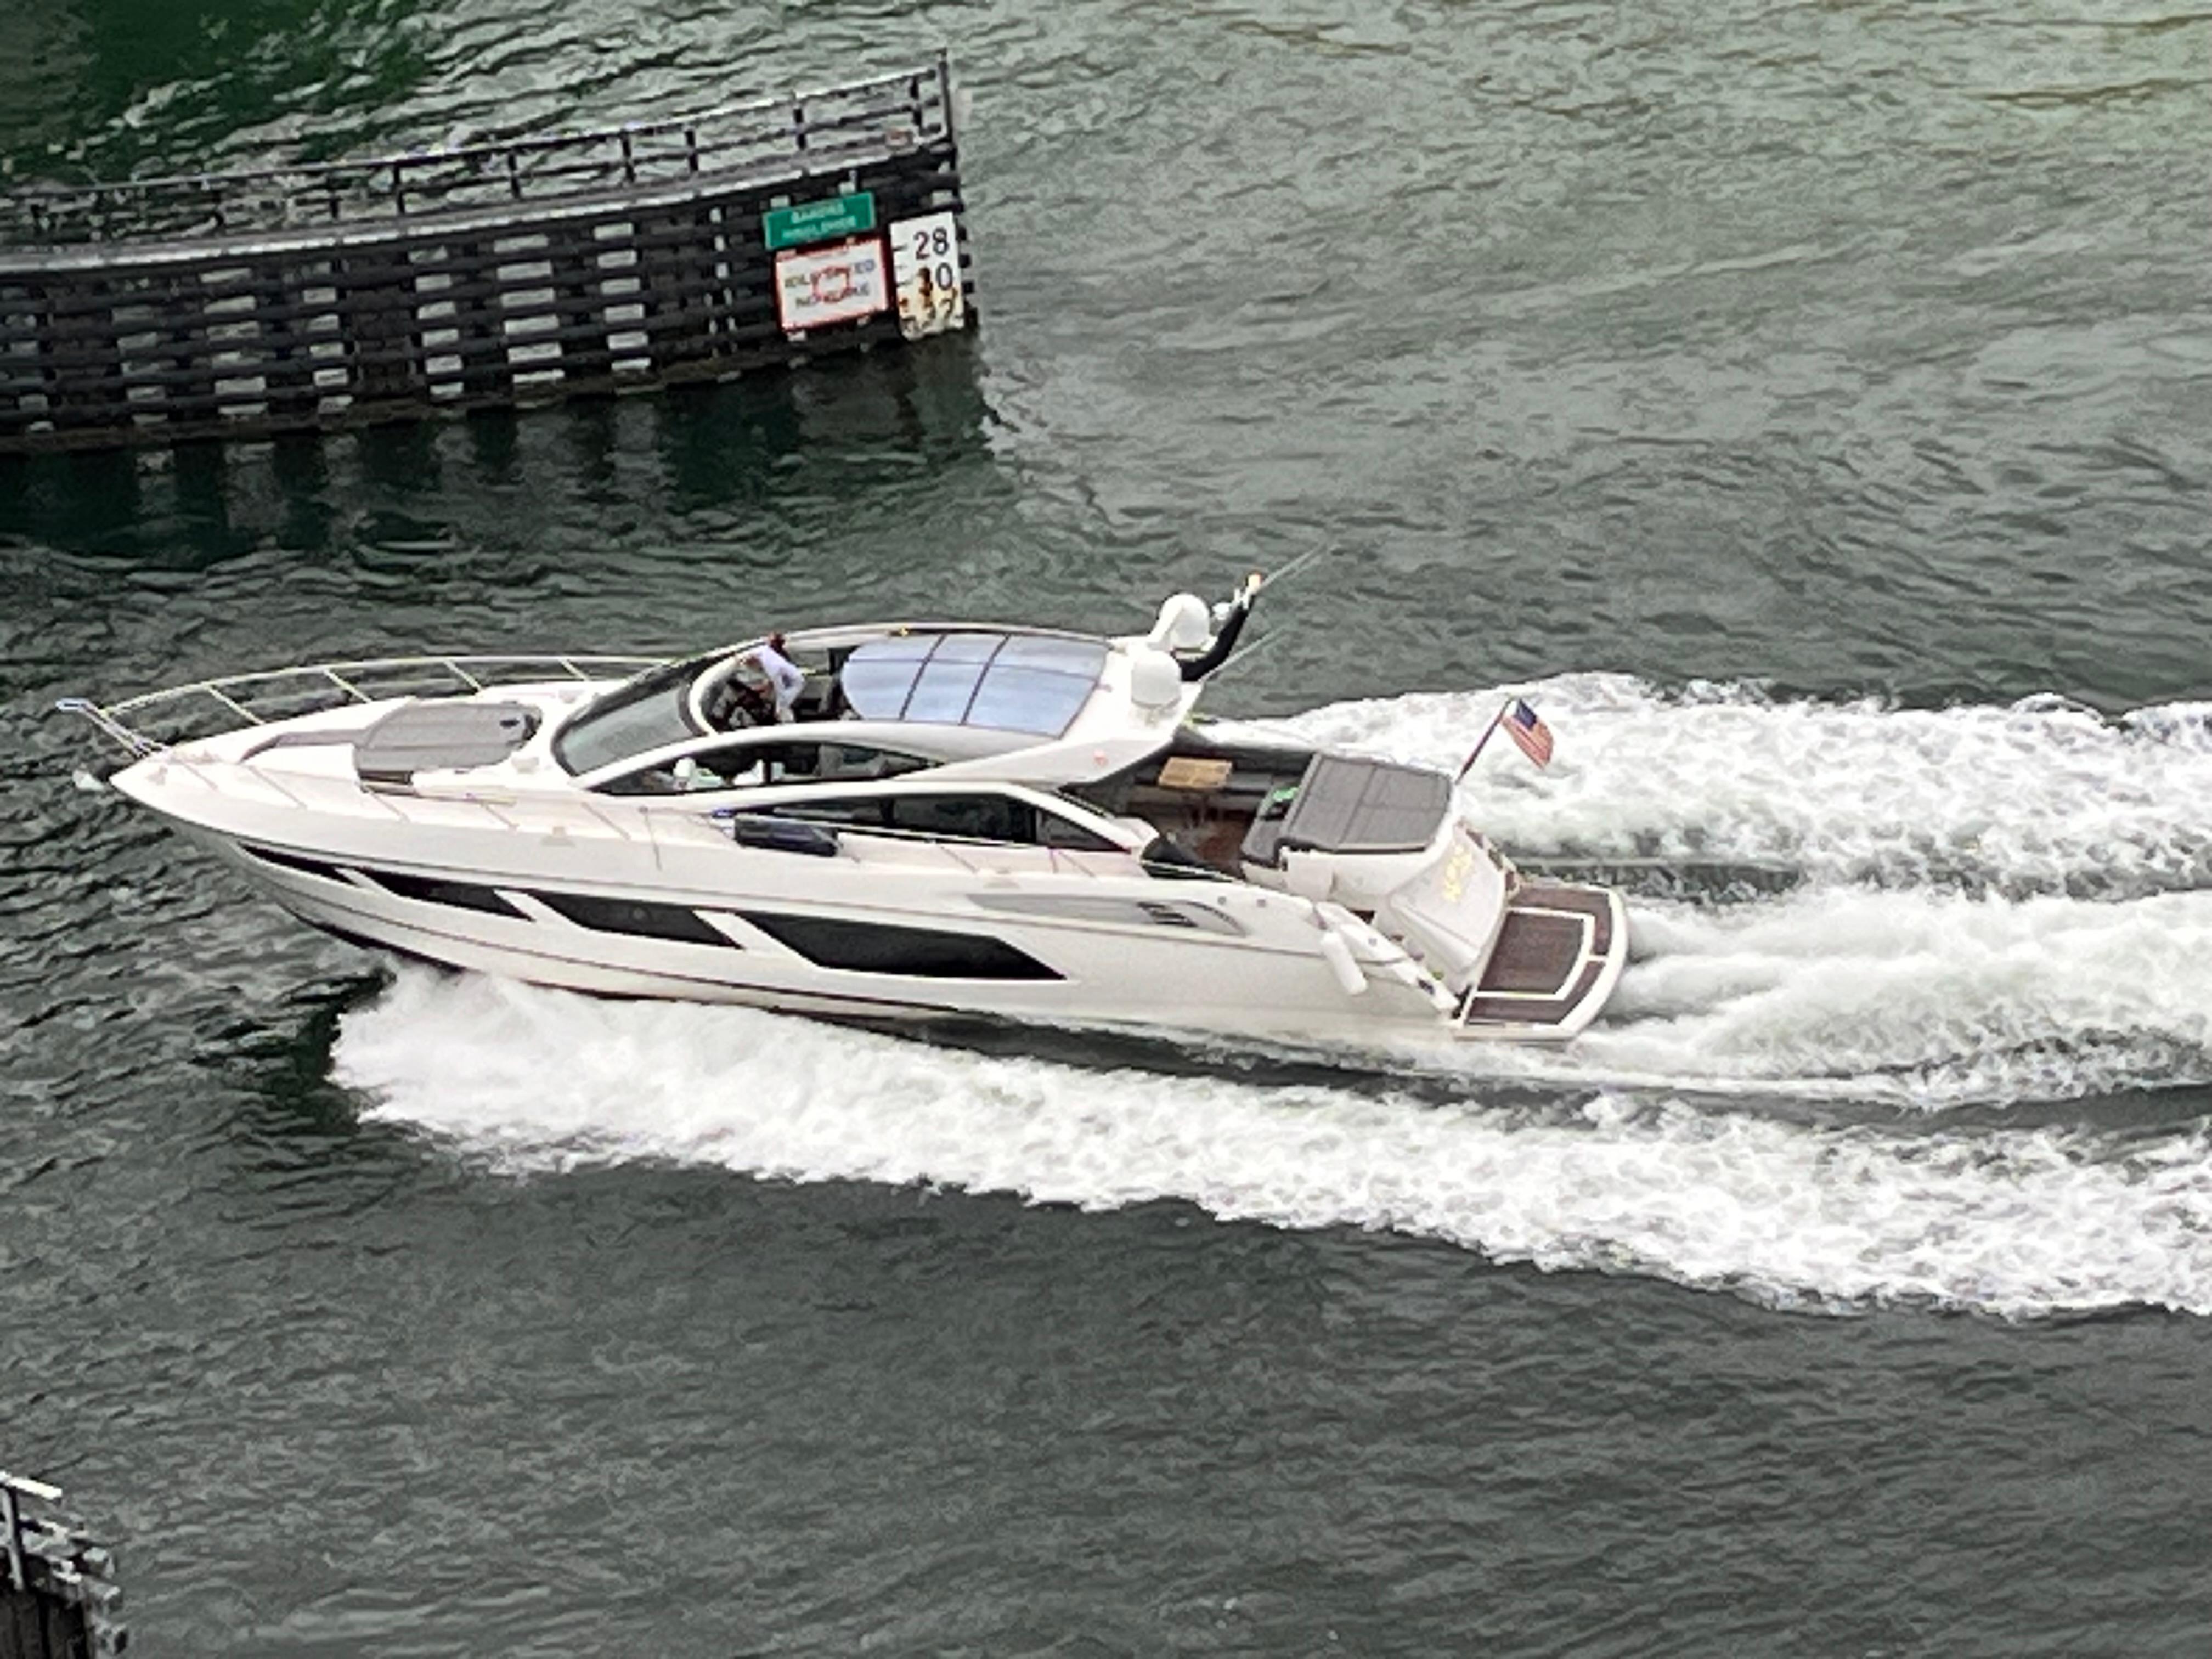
x: 950, y: 819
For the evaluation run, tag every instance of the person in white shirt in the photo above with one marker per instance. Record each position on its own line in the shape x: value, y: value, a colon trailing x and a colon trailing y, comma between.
x: 785, y: 676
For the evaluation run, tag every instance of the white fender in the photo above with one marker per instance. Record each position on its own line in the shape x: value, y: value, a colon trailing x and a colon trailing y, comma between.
x: 1337, y: 953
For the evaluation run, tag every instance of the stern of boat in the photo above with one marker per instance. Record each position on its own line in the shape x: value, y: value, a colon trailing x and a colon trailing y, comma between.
x: 1528, y: 960
x: 1559, y: 954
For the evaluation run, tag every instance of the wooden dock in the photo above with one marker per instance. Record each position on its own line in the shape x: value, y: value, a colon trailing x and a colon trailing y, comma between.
x: 317, y: 297
x: 58, y: 1592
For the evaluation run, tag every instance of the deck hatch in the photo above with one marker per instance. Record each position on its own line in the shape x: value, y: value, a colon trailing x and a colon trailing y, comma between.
x: 1349, y: 804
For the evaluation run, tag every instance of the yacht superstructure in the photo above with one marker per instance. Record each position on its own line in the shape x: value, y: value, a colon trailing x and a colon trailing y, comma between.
x: 953, y: 819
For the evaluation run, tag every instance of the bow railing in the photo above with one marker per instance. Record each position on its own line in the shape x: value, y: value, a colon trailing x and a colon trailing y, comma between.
x: 181, y: 713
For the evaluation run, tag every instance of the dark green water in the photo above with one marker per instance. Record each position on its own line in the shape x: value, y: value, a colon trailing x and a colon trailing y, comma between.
x: 1806, y: 406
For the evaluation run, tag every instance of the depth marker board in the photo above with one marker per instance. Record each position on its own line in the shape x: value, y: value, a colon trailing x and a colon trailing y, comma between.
x: 926, y: 259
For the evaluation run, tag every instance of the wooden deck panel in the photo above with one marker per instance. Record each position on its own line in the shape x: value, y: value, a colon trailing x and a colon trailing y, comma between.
x: 1541, y: 948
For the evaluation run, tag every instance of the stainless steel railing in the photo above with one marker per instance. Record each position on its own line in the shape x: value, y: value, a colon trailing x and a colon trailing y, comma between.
x: 179, y: 713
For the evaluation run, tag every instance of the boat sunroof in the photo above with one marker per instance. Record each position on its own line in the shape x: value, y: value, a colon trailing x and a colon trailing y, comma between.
x: 999, y: 682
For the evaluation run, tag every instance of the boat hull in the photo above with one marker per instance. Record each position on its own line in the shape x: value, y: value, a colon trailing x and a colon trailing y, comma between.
x: 1151, y: 976
x: 531, y: 879
x: 1280, y: 989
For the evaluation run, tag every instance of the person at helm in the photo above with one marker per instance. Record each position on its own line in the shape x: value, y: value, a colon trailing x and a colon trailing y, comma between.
x: 785, y: 678
x: 760, y: 688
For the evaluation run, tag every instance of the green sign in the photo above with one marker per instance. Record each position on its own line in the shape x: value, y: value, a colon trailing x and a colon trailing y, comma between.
x: 817, y: 222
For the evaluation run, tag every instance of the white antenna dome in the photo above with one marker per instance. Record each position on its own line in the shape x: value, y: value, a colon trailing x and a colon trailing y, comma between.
x: 1185, y: 623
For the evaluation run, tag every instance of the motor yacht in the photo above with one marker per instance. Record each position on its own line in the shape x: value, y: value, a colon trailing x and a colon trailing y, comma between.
x: 949, y: 818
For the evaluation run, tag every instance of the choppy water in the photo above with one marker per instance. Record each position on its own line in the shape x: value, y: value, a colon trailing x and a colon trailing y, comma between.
x: 1805, y: 406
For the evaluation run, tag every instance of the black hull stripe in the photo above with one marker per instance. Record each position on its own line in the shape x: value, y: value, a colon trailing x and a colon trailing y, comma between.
x: 875, y: 947
x: 768, y: 993
x: 889, y: 949
x: 637, y: 918
x: 430, y: 889
x: 298, y: 862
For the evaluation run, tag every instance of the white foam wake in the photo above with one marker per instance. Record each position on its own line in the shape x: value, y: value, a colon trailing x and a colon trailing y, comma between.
x: 2014, y: 1222
x: 1929, y: 999
x: 2041, y: 796
x: 1999, y: 904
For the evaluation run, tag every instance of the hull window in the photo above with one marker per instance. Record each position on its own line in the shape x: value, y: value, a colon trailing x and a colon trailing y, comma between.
x: 292, y: 862
x: 613, y: 916
x: 464, y: 896
x: 869, y: 947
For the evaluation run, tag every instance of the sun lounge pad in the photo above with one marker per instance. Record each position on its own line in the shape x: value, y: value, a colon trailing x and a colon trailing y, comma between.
x: 428, y: 737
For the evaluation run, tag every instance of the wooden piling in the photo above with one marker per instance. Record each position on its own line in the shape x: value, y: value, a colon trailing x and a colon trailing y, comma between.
x: 59, y: 1598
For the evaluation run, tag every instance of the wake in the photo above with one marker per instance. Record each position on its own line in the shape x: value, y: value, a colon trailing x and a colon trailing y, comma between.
x: 2012, y: 1222
x: 1991, y: 908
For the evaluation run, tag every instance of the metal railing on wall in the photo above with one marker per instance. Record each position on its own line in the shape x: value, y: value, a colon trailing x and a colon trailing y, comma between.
x: 814, y: 130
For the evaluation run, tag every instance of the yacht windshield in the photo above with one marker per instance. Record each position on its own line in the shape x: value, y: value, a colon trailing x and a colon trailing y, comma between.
x: 642, y: 714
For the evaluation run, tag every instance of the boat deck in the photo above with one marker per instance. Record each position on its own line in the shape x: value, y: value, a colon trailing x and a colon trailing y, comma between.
x: 1551, y: 952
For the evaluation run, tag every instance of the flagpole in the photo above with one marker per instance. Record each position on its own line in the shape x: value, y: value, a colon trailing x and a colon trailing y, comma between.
x: 1468, y: 764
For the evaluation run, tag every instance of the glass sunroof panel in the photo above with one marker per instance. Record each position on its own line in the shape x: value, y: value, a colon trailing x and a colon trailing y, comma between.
x: 1081, y: 657
x: 1002, y: 683
x: 1029, y: 699
x: 968, y: 647
x: 877, y: 688
x: 942, y: 694
x: 892, y: 647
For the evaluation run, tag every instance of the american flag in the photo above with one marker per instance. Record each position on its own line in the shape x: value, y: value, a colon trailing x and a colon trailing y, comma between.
x: 1527, y: 728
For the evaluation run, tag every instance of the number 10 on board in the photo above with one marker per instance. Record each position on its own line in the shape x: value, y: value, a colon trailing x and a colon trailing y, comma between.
x: 925, y: 264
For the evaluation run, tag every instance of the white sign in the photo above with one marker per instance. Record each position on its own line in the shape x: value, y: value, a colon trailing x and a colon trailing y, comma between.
x: 836, y: 282
x: 926, y: 257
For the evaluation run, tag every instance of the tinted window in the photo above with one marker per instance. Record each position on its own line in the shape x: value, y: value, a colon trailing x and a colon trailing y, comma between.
x: 1052, y: 830
x: 956, y: 818
x: 841, y: 761
x: 744, y: 766
x: 916, y: 952
x: 614, y: 915
x: 971, y: 817
x: 653, y: 781
x: 862, y: 812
